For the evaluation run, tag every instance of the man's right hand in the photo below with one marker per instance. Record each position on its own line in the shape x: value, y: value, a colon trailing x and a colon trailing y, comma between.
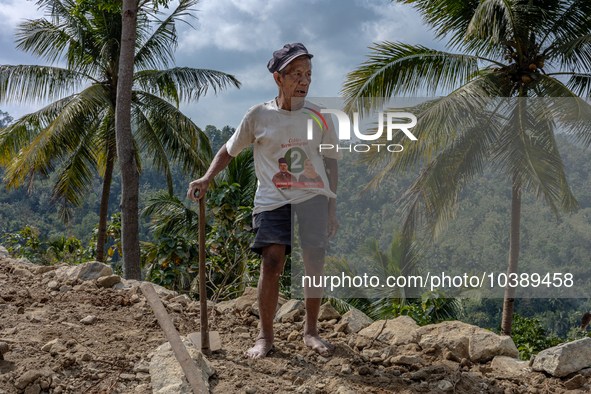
x: 199, y: 185
x: 220, y: 161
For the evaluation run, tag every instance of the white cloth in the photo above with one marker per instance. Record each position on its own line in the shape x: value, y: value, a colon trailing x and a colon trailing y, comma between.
x: 277, y: 134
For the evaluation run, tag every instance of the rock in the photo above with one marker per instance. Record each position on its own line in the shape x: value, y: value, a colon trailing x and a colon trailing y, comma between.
x: 3, y: 349
x: 288, y: 307
x: 182, y: 299
x: 509, y: 368
x: 451, y: 356
x: 161, y: 291
x: 141, y: 367
x: 3, y: 252
x: 24, y: 261
x: 26, y: 378
x: 364, y: 370
x: 346, y: 369
x: 86, y: 271
x: 356, y: 320
x: 346, y: 390
x: 406, y: 360
x: 575, y: 382
x: 167, y: 374
x: 226, y: 306
x: 85, y: 357
x: 399, y: 331
x: 341, y: 327
x: 23, y: 272
x: 428, y: 373
x: 41, y: 269
x: 453, y: 335
x: 293, y: 336
x: 88, y: 320
x: 127, y: 376
x: 445, y: 386
x: 361, y: 342
x: 53, y: 285
x: 64, y: 289
x: 108, y: 281
x: 565, y: 358
x: 47, y: 347
x: 11, y: 331
x: 57, y: 348
x: 291, y: 317
x: 128, y: 284
x: 33, y: 389
x: 247, y: 299
x: 327, y: 312
x: 485, y: 344
x: 143, y: 377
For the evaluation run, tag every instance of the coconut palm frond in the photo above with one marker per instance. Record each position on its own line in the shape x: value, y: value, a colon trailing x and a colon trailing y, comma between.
x: 149, y: 142
x: 398, y: 69
x: 157, y: 50
x: 25, y: 83
x: 170, y: 216
x: 183, y: 83
x: 183, y: 141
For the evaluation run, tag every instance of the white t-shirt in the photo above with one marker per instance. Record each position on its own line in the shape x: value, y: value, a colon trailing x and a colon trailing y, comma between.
x: 289, y: 167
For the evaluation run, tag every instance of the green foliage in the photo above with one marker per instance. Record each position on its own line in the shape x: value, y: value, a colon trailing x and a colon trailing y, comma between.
x: 217, y: 137
x: 530, y: 337
x: 171, y: 261
x: 231, y: 265
x: 66, y: 249
x: 60, y: 249
x: 24, y: 243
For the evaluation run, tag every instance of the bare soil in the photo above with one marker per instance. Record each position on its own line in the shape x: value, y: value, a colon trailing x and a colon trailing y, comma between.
x: 100, y: 357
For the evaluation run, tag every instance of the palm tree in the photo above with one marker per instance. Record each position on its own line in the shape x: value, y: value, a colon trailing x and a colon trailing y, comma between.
x: 75, y: 134
x: 506, y: 48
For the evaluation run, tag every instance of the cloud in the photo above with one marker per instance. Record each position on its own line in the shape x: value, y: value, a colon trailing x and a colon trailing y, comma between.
x: 239, y: 37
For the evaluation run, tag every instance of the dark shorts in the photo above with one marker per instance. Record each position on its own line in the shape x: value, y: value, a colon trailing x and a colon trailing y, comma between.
x: 277, y: 226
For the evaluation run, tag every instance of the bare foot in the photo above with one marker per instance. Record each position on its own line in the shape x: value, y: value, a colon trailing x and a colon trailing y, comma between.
x: 260, y: 348
x: 318, y: 345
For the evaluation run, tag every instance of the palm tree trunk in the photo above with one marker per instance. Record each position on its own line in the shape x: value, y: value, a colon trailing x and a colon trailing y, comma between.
x: 104, y: 211
x: 509, y: 300
x: 125, y: 148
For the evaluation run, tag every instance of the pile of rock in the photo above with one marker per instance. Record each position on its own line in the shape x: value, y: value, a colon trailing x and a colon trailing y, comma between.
x: 403, y: 348
x: 395, y: 354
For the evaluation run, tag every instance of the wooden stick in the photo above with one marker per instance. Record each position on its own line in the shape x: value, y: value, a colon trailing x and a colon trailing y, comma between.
x: 205, y: 349
x: 182, y: 355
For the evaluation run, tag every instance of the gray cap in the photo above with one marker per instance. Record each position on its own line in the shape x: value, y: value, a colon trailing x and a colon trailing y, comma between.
x: 284, y: 56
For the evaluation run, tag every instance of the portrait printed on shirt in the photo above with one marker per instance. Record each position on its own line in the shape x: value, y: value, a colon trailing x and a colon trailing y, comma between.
x: 296, y: 170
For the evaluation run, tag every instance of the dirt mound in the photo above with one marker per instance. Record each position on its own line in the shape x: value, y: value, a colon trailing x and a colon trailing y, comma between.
x: 85, y: 339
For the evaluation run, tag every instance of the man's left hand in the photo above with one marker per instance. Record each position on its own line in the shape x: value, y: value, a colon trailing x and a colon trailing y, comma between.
x: 333, y: 223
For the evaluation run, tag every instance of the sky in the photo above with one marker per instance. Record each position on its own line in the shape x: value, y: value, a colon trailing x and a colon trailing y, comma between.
x: 238, y: 37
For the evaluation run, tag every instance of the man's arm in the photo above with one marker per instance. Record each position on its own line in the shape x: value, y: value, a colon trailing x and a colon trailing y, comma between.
x: 332, y: 170
x: 220, y: 161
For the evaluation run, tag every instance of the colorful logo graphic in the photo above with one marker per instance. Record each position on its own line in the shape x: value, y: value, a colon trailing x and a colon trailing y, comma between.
x: 317, y: 117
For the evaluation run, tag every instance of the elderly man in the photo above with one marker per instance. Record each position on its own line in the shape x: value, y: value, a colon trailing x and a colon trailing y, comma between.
x: 278, y: 128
